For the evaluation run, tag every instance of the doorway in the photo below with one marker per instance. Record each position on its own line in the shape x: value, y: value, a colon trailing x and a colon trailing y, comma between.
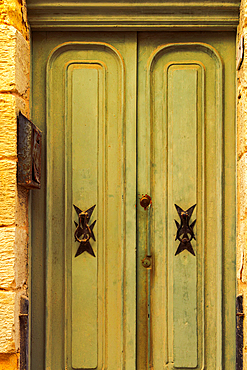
x: 127, y: 115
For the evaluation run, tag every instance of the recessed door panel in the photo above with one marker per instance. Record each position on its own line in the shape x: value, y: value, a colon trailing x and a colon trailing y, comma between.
x: 183, y: 103
x: 85, y: 84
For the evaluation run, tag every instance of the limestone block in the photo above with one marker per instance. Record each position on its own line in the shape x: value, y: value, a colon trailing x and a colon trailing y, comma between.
x: 7, y: 257
x: 10, y: 106
x: 242, y: 73
x: 14, y: 61
x: 8, y: 361
x: 8, y: 127
x: 21, y: 260
x: 7, y: 192
x: 243, y: 12
x: 22, y: 105
x: 21, y: 214
x: 242, y: 251
x: 242, y: 121
x: 242, y: 219
x: 7, y: 58
x: 244, y: 359
x: 7, y: 314
x: 14, y: 12
x: 242, y: 187
x: 22, y: 65
x: 241, y: 235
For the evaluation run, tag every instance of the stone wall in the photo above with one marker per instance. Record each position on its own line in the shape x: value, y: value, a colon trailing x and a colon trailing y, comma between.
x: 14, y: 97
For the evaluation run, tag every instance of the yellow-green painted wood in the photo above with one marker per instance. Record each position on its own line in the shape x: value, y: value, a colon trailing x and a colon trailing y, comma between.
x: 84, y: 85
x: 133, y: 15
x: 181, y: 154
x: 90, y: 128
x: 84, y: 100
x: 182, y: 95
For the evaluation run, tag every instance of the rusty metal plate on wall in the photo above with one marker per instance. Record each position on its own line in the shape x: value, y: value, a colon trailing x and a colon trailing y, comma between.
x: 29, y: 153
x: 24, y: 332
x: 239, y: 332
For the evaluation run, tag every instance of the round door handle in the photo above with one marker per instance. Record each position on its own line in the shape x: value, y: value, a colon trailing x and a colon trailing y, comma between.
x: 147, y: 262
x: 145, y: 201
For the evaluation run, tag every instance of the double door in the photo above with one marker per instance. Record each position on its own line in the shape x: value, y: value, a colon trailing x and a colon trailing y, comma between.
x: 131, y: 118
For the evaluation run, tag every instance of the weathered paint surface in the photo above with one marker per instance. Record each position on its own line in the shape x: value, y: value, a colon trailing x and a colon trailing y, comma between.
x: 99, y: 333
x: 181, y: 136
x: 85, y: 166
x: 134, y: 15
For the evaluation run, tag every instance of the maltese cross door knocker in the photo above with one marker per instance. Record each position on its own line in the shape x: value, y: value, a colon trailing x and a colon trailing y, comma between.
x: 83, y: 231
x: 185, y: 231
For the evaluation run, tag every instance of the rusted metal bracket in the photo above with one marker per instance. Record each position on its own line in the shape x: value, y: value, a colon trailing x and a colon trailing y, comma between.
x: 29, y: 140
x: 239, y: 332
x: 24, y: 332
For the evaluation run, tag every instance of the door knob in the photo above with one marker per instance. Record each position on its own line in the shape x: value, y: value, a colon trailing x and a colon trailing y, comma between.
x: 145, y: 201
x: 147, y: 262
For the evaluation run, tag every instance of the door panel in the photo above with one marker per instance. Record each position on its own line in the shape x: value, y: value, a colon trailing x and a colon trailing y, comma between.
x: 90, y: 306
x: 90, y: 77
x: 180, y: 159
x: 86, y: 88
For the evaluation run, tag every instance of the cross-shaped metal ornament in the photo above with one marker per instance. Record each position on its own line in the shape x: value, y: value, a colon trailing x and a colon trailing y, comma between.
x: 84, y: 230
x: 185, y: 231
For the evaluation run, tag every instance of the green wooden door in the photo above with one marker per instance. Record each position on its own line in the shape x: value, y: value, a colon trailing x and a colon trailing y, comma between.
x: 185, y: 126
x: 124, y: 115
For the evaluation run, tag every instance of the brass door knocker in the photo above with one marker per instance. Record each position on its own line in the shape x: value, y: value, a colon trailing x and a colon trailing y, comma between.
x: 83, y: 219
x: 185, y: 231
x: 84, y: 230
